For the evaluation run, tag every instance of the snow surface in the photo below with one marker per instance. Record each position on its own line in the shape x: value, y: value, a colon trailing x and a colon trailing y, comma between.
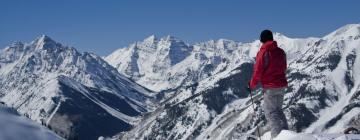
x: 337, y: 77
x: 16, y: 127
x: 290, y: 135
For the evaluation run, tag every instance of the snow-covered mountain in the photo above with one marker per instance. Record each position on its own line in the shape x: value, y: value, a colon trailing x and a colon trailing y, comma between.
x: 199, y: 88
x: 16, y: 127
x: 202, y: 92
x: 150, y: 62
x: 168, y: 63
x: 78, y: 95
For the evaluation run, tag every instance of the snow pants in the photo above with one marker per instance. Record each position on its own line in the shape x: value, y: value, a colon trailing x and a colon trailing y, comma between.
x: 273, y: 100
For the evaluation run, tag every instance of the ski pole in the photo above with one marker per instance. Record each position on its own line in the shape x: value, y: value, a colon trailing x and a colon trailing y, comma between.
x: 253, y: 106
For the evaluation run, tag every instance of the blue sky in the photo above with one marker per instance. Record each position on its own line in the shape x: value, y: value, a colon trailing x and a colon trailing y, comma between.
x: 102, y: 26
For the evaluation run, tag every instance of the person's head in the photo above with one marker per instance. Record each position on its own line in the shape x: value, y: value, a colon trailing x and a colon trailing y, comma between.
x: 265, y: 36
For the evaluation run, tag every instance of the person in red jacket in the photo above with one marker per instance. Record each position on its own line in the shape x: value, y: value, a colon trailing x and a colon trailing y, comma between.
x: 270, y: 73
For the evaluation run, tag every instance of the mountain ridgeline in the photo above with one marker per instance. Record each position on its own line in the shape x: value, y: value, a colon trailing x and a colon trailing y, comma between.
x: 165, y: 88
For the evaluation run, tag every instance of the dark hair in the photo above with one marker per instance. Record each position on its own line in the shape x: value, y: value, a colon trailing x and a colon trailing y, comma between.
x: 265, y: 36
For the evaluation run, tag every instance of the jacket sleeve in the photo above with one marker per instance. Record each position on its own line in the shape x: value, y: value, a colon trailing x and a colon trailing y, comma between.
x: 258, y: 69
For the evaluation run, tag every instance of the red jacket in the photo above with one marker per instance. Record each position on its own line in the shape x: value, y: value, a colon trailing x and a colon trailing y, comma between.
x: 270, y: 67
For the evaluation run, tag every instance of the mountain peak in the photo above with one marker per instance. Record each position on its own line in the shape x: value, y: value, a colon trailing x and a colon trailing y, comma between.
x: 44, y: 42
x: 346, y: 31
x: 223, y: 40
x: 151, y: 38
x: 44, y: 38
x: 170, y: 38
x: 280, y: 36
x: 16, y: 44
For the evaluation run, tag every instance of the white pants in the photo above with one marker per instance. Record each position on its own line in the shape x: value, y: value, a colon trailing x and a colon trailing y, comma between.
x: 273, y: 100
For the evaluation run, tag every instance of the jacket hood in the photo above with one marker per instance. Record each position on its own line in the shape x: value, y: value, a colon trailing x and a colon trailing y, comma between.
x: 269, y: 45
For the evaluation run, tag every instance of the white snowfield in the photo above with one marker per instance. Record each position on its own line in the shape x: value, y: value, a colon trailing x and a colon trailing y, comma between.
x: 290, y: 135
x: 16, y: 127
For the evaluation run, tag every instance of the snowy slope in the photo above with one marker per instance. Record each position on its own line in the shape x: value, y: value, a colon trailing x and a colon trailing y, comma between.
x: 16, y: 127
x: 74, y: 93
x: 338, y: 51
x: 289, y: 135
x: 323, y: 93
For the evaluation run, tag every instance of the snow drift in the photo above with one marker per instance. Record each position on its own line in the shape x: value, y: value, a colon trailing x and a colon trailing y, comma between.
x: 16, y: 127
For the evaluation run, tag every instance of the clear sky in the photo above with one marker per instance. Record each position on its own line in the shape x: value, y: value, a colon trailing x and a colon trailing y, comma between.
x: 102, y: 26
